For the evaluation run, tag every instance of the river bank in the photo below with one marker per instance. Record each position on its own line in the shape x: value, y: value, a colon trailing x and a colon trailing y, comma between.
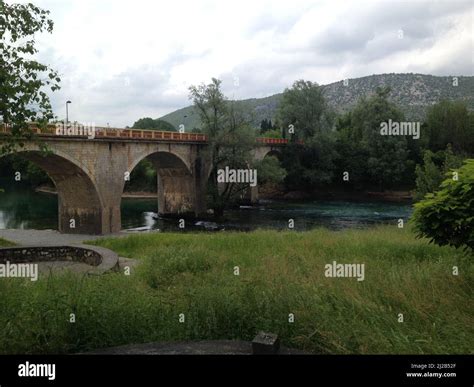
x: 272, y: 193
x: 126, y: 195
x: 275, y: 192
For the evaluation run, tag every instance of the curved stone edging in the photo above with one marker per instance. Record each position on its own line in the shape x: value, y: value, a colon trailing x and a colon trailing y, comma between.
x: 100, y: 259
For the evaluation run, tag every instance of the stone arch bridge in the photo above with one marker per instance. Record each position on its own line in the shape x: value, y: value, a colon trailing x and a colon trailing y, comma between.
x: 90, y: 173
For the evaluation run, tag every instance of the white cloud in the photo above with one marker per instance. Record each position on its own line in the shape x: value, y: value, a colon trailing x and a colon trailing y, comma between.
x: 122, y: 60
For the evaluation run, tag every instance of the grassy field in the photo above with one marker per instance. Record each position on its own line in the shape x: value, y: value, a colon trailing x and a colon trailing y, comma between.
x: 280, y: 273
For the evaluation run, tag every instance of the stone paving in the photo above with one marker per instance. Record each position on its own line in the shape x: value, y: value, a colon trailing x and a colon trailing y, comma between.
x: 50, y: 237
x: 54, y: 238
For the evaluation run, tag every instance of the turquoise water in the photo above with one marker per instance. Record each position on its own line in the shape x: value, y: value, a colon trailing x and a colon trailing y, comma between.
x: 26, y: 209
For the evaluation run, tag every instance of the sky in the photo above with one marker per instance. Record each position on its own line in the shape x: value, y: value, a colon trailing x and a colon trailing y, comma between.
x: 123, y: 60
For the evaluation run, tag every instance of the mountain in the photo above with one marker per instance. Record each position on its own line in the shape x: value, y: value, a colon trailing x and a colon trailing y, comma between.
x: 414, y: 93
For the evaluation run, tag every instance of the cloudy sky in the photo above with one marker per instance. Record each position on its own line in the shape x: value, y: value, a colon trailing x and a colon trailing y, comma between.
x: 122, y: 60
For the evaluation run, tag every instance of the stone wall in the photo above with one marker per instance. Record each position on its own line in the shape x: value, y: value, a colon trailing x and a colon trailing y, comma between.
x: 100, y: 258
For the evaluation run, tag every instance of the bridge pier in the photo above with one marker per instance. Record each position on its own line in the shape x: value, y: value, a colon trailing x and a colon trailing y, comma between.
x: 80, y: 210
x: 252, y: 195
x: 180, y: 191
x: 175, y: 193
x: 90, y: 173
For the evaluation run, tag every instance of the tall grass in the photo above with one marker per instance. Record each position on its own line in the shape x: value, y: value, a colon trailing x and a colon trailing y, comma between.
x: 280, y: 273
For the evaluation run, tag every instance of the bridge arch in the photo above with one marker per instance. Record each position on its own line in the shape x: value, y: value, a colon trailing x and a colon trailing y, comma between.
x: 176, y: 183
x: 259, y: 154
x: 79, y: 201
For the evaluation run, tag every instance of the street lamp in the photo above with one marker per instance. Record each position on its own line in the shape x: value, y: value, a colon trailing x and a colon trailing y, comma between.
x: 67, y: 114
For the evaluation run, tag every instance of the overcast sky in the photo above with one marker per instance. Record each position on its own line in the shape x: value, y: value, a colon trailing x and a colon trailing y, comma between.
x: 122, y: 60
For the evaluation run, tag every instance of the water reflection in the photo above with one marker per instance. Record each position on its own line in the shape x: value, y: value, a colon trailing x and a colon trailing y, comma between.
x: 25, y: 209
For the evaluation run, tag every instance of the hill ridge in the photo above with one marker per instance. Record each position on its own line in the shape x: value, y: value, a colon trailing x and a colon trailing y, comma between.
x: 413, y: 92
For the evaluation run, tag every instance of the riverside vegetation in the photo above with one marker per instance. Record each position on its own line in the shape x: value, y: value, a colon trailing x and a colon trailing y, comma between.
x: 280, y: 273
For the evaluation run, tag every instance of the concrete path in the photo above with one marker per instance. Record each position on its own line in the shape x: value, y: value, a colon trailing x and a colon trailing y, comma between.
x: 54, y: 238
x: 50, y: 237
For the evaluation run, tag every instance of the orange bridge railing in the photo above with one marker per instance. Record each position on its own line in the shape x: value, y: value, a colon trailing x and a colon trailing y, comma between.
x: 136, y: 134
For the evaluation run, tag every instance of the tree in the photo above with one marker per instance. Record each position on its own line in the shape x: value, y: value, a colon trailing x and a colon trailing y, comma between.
x: 369, y: 157
x: 231, y: 140
x: 303, y: 106
x: 447, y: 216
x: 142, y: 178
x: 269, y: 170
x: 450, y: 122
x: 429, y: 176
x: 155, y: 124
x: 266, y: 126
x: 23, y: 80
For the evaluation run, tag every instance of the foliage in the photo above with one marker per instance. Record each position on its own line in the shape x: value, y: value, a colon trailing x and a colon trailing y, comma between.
x: 303, y: 106
x: 450, y: 122
x: 274, y: 133
x: 31, y: 174
x: 5, y: 243
x: 154, y: 124
x: 266, y: 126
x: 23, y: 80
x: 369, y: 157
x: 231, y: 140
x: 269, y: 170
x: 435, y: 165
x: 142, y: 178
x: 447, y: 216
x: 342, y: 98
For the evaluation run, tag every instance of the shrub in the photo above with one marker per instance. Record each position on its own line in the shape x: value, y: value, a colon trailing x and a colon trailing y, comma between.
x: 447, y: 216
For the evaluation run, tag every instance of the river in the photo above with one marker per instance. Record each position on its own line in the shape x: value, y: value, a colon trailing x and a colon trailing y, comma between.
x: 23, y: 208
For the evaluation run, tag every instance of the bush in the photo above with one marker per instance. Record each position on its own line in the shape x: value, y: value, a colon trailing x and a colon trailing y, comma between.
x: 429, y: 176
x: 447, y: 216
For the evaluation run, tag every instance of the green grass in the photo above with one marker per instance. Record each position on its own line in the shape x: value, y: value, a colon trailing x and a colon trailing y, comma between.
x: 5, y: 243
x: 280, y: 273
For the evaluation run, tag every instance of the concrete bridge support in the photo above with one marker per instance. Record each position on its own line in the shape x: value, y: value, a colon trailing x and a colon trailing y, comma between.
x: 90, y: 175
x: 259, y: 154
x: 79, y: 205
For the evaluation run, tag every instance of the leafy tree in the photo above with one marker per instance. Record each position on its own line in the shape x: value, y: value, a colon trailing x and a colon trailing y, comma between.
x: 304, y: 107
x: 274, y: 133
x: 447, y: 216
x: 369, y: 157
x: 269, y: 170
x: 23, y: 80
x: 266, y: 126
x: 231, y: 140
x: 450, y: 122
x: 30, y: 173
x: 154, y: 124
x: 142, y: 178
x: 429, y: 176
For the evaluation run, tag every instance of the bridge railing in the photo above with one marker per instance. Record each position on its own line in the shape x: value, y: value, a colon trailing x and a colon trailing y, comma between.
x: 106, y: 132
x: 136, y: 134
x: 271, y: 141
x: 147, y: 134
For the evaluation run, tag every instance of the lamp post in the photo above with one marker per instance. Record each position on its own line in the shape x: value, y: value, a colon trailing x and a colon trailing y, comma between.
x: 67, y: 113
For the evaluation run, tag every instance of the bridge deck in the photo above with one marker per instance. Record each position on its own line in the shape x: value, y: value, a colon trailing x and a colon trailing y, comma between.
x: 130, y: 134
